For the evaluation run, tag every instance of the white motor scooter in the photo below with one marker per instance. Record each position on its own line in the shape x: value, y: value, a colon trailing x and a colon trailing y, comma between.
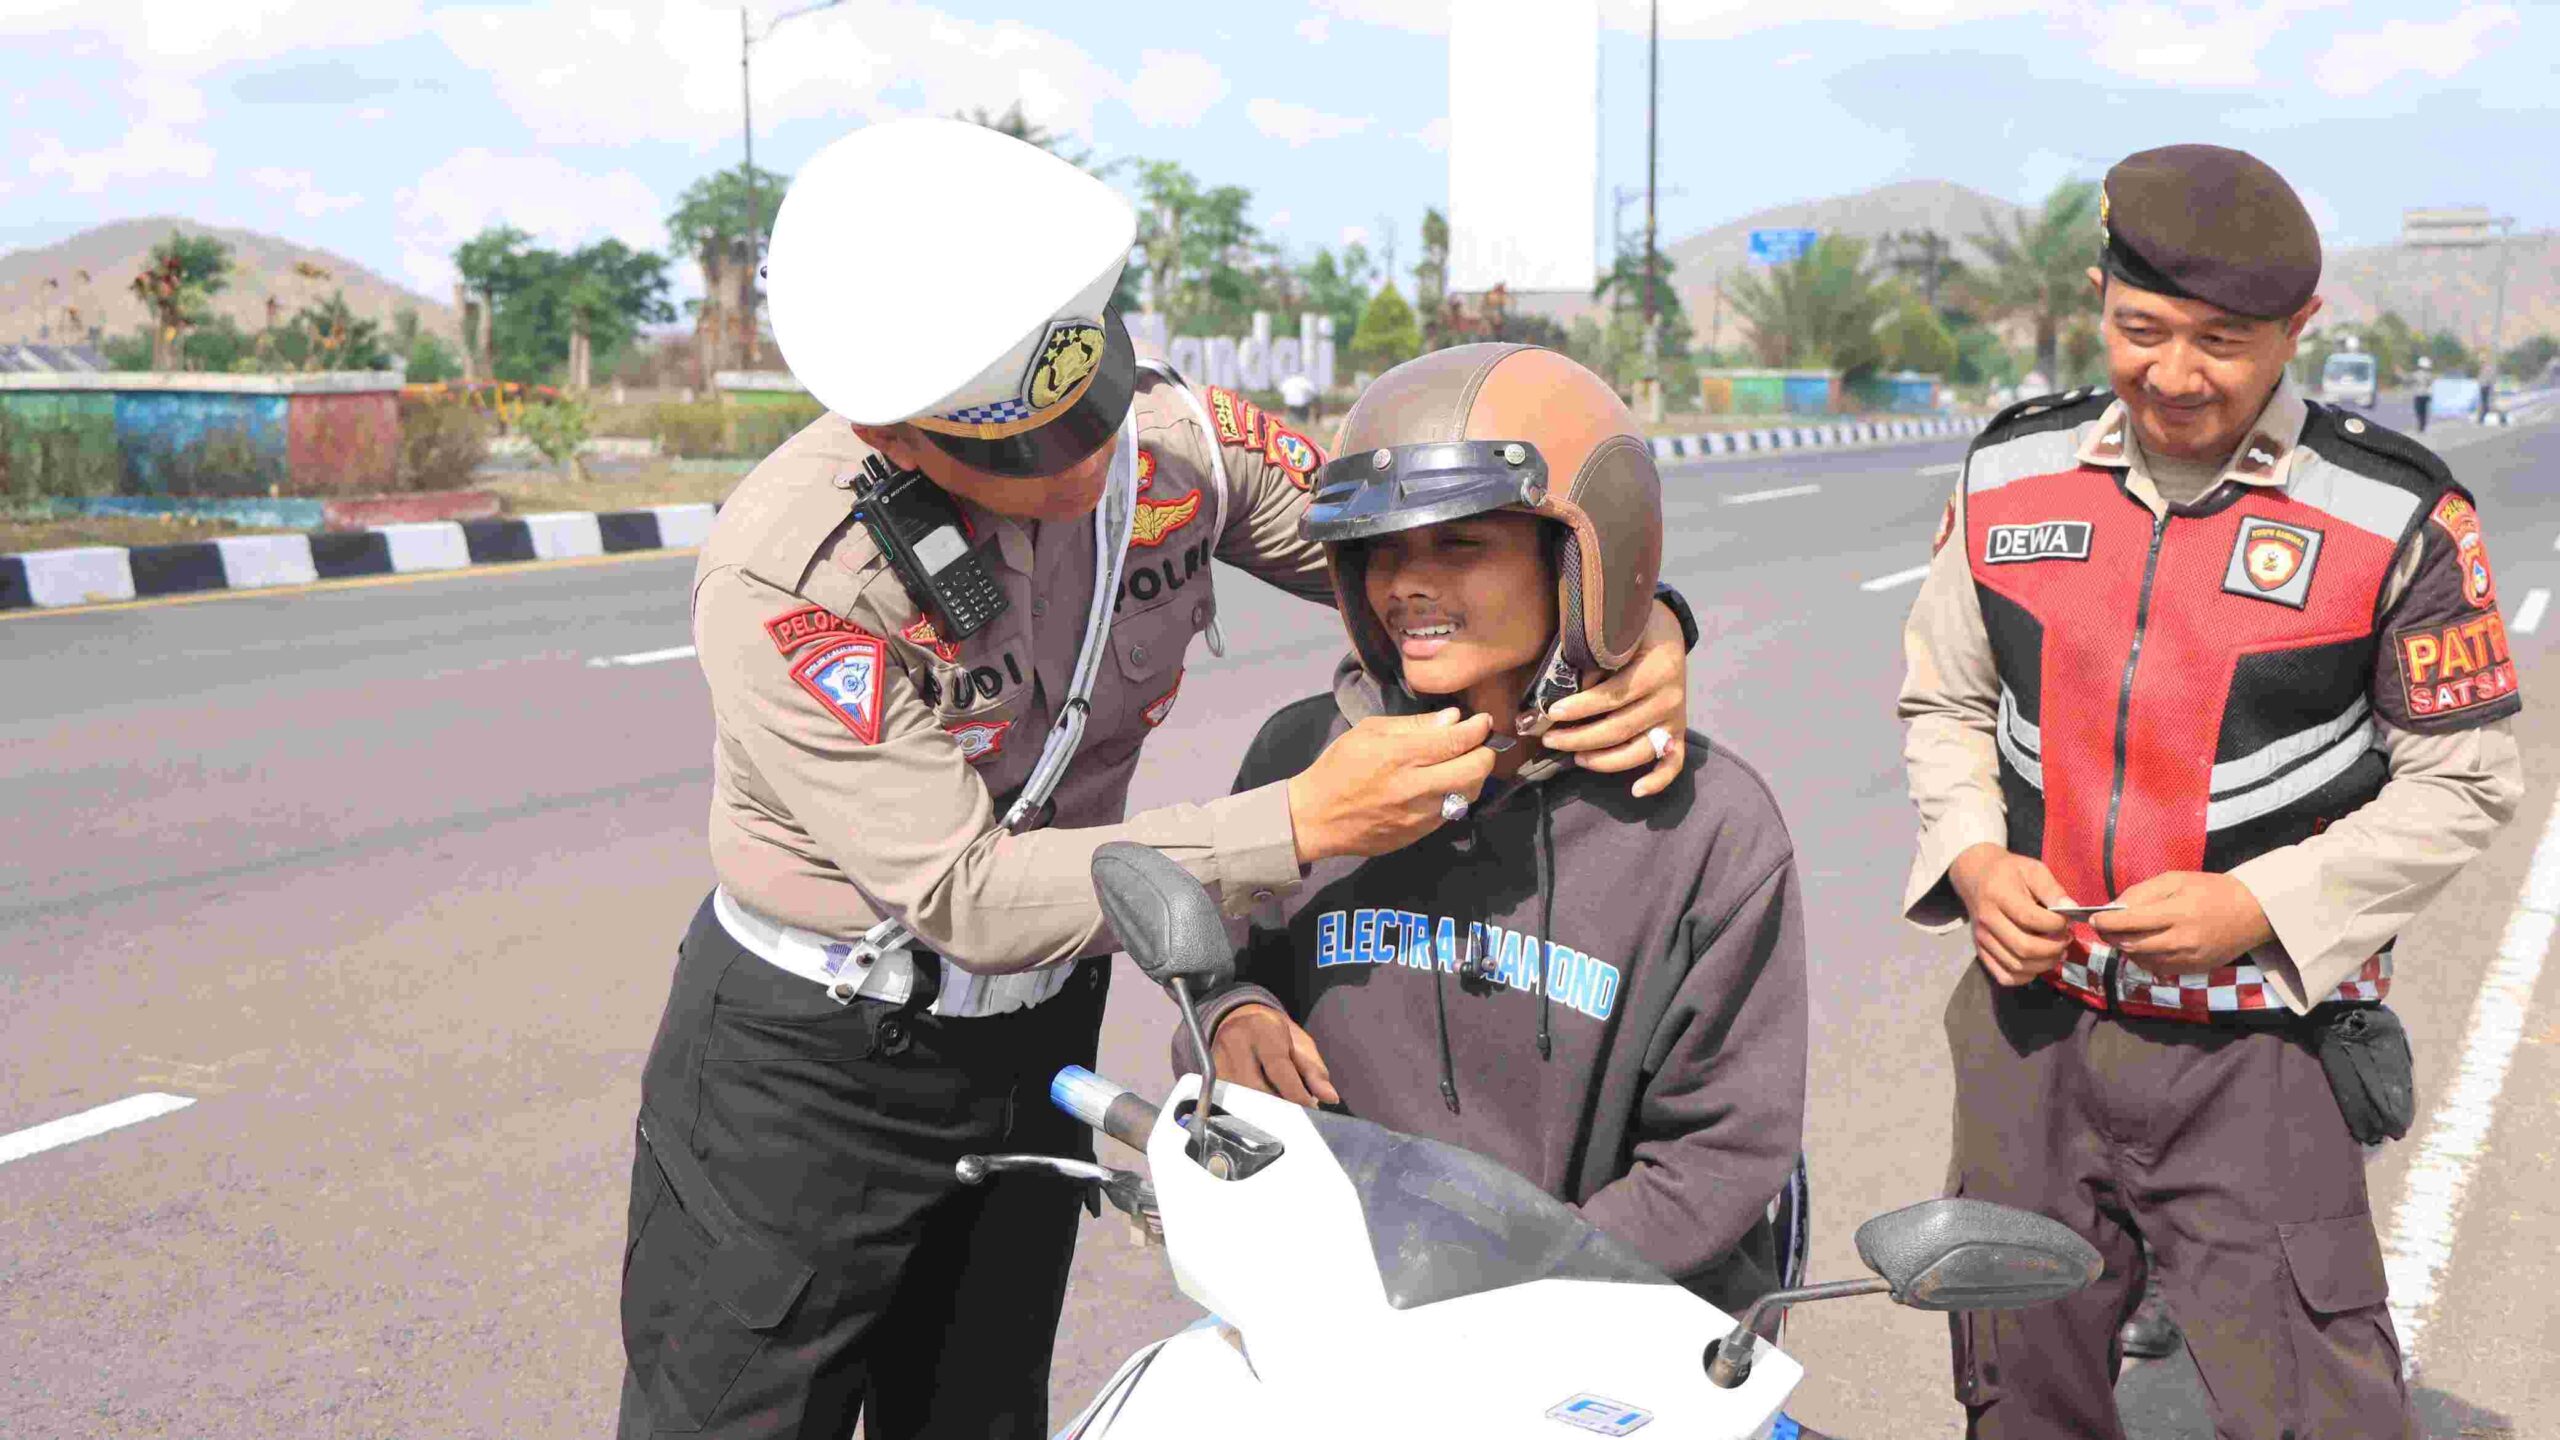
x: 1367, y: 1283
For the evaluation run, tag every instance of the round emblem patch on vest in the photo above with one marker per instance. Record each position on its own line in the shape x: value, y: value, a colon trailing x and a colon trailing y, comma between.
x: 2274, y: 554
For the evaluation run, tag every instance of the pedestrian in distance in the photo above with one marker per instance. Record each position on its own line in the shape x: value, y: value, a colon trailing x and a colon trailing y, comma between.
x: 1606, y: 997
x: 938, y: 626
x: 2425, y: 394
x: 2208, y: 697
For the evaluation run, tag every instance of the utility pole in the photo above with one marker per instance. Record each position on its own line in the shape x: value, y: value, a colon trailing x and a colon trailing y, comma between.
x: 755, y: 219
x: 1652, y: 151
x: 755, y: 241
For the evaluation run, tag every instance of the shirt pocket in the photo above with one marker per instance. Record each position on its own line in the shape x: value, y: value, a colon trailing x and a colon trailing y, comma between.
x: 1141, y: 682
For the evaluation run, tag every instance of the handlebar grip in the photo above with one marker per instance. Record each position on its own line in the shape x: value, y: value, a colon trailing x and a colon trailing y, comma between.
x: 1106, y: 1105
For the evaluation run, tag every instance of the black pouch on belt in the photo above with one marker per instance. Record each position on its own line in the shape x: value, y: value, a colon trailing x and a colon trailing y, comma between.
x: 2366, y: 1054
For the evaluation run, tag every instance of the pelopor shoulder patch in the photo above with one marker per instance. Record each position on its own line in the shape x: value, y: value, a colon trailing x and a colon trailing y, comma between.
x: 845, y: 675
x: 793, y: 629
x: 2448, y: 669
x: 1238, y: 420
x: 2460, y: 521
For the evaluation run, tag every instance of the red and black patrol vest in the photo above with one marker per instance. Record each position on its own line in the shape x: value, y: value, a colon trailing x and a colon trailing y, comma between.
x: 2187, y: 692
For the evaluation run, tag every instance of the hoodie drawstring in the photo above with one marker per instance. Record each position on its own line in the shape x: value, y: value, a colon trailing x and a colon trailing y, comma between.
x: 1546, y: 845
x: 1440, y: 1002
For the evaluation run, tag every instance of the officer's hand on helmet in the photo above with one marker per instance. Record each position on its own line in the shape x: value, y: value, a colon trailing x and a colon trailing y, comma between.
x: 2185, y: 923
x: 1262, y: 1049
x: 1605, y: 727
x: 1379, y: 786
x: 2016, y: 937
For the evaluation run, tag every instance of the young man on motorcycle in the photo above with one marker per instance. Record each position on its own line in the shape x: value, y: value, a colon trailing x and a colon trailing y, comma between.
x: 1605, y: 995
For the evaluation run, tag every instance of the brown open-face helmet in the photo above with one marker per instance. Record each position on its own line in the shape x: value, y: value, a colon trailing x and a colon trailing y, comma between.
x: 1480, y: 428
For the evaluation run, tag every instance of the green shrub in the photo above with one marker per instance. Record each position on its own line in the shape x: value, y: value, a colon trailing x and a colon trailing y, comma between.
x: 556, y: 430
x: 53, y: 457
x: 226, y: 462
x: 696, y: 431
x: 442, y: 443
x: 756, y: 431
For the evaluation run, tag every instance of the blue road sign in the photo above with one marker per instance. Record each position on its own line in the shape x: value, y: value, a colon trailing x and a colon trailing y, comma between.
x: 1778, y: 247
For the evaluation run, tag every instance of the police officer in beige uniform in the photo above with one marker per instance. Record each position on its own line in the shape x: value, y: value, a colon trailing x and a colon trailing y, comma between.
x: 2233, y: 662
x: 938, y: 626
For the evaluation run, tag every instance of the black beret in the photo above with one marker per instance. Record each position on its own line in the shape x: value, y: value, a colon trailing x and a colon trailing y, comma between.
x: 2204, y: 223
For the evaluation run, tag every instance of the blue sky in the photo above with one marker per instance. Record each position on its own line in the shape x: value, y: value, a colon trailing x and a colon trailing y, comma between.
x: 390, y: 130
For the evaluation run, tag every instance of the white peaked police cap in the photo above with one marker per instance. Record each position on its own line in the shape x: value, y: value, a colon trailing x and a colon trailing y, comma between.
x: 941, y: 272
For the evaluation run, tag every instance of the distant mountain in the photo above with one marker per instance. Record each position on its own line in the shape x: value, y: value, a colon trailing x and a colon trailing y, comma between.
x: 2436, y: 290
x: 263, y: 266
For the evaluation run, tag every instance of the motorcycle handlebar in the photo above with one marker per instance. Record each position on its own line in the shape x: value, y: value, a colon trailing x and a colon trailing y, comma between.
x: 1106, y: 1105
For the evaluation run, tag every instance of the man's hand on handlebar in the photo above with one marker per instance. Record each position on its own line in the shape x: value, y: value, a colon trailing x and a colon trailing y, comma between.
x: 1379, y: 786
x: 2014, y: 935
x: 1261, y: 1049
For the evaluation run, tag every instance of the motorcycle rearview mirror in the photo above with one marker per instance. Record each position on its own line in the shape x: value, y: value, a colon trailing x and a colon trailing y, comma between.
x: 1171, y: 927
x: 1959, y: 1254
x: 1952, y: 1254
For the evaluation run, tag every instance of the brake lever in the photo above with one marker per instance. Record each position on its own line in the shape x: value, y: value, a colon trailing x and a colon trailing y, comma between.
x: 1128, y: 1191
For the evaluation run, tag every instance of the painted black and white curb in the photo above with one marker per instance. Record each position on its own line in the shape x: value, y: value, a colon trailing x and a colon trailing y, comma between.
x: 1812, y: 437
x: 102, y: 574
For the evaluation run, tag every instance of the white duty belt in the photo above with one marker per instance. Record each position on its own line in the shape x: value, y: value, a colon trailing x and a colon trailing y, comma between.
x: 881, y: 965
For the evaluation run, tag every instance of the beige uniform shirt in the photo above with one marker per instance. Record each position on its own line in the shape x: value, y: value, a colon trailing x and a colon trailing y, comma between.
x: 2333, y: 899
x: 850, y: 786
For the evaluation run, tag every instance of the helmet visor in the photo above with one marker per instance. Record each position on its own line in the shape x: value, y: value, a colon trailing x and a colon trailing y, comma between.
x: 1071, y: 437
x: 1406, y: 487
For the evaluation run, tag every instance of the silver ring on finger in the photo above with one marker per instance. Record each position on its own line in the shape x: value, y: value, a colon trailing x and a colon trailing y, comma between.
x: 1660, y: 740
x: 1453, y: 806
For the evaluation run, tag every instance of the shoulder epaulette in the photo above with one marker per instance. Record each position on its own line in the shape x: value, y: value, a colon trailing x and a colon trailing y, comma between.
x: 2403, y: 459
x: 2044, y: 412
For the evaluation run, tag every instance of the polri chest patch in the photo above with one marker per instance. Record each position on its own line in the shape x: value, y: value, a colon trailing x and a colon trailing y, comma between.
x: 2273, y: 560
x: 2043, y: 540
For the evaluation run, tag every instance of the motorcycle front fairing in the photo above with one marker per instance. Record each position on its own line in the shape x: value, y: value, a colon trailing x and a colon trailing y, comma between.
x: 1380, y: 1284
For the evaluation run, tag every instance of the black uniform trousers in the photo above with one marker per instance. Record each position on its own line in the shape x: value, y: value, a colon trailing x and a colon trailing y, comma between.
x: 799, y: 1253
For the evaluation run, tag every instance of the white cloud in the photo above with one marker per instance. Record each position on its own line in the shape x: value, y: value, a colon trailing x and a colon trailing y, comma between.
x: 1435, y: 136
x: 1314, y: 29
x: 309, y: 200
x: 1297, y: 125
x: 669, y: 70
x: 155, y: 145
x: 1175, y: 87
x: 2361, y: 63
x: 2188, y: 45
x: 557, y: 205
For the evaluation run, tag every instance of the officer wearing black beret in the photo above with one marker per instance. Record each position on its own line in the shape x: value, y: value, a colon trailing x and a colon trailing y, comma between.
x: 2228, y: 664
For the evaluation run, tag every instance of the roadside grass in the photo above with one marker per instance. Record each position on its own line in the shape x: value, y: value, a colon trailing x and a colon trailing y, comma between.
x: 17, y: 536
x: 614, y: 487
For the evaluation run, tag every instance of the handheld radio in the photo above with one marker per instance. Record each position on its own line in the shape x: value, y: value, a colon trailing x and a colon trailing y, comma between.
x: 918, y: 527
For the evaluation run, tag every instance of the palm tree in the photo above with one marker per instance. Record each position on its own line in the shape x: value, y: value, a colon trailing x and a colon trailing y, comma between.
x: 1822, y: 308
x: 2036, y: 266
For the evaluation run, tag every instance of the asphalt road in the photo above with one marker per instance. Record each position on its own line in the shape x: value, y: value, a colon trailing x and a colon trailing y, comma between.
x: 387, y: 880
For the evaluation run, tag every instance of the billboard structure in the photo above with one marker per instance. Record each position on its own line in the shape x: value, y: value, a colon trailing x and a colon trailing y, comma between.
x: 1524, y: 145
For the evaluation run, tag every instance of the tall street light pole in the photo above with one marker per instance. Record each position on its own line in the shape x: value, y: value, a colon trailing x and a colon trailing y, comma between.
x: 1652, y: 150
x: 755, y: 216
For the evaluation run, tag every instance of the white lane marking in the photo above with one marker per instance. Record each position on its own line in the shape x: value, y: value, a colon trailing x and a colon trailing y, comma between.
x: 2529, y: 614
x: 2419, y: 1244
x: 1754, y: 497
x: 1940, y: 469
x: 1897, y: 578
x: 645, y: 657
x: 131, y: 1110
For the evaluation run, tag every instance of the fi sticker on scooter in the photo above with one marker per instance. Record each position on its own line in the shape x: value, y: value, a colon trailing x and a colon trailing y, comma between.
x: 1601, y: 1416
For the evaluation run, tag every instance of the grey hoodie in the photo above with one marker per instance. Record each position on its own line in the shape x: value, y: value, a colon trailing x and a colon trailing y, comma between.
x: 1639, y: 1050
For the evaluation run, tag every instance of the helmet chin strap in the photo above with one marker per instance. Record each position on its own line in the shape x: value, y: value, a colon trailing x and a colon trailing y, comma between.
x: 1557, y: 678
